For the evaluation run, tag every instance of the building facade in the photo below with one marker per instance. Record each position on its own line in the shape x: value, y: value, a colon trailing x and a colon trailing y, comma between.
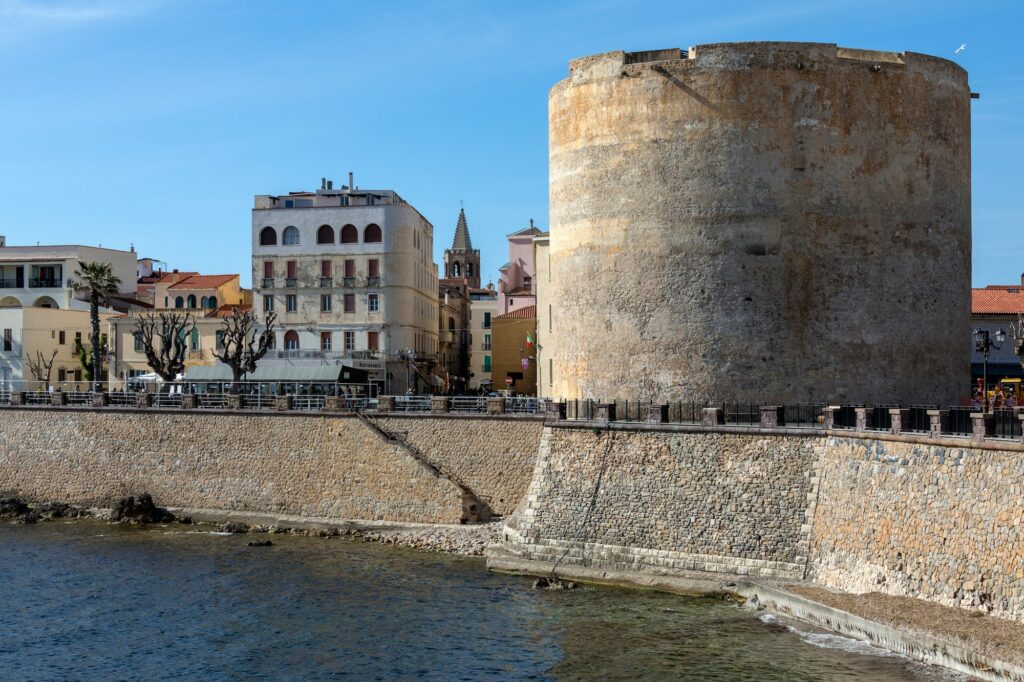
x: 514, y: 364
x: 545, y: 341
x: 993, y: 308
x: 515, y: 283
x: 36, y: 337
x: 350, y: 274
x: 44, y: 276
x: 483, y: 304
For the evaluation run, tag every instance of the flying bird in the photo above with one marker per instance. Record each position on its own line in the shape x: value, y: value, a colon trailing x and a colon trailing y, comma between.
x: 960, y: 49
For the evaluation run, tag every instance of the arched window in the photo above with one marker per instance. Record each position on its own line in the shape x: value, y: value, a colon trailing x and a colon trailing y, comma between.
x: 456, y: 269
x: 469, y: 269
x: 291, y: 340
x: 179, y: 302
x: 212, y: 303
x: 195, y: 339
x: 290, y: 236
x: 203, y: 303
x: 191, y: 300
x: 349, y: 235
x: 325, y: 235
x: 268, y: 237
x: 372, y: 235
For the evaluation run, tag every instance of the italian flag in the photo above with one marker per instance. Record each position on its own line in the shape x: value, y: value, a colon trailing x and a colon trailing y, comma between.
x: 529, y: 340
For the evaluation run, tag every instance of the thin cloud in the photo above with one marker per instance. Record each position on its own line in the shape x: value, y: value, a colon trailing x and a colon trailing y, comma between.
x: 22, y: 19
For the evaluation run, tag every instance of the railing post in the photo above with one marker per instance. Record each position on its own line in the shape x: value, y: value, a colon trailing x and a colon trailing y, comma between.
x: 865, y: 418
x: 438, y: 404
x: 144, y: 399
x: 496, y: 405
x: 604, y: 412
x: 234, y: 401
x: 712, y: 416
x: 657, y: 414
x: 830, y: 416
x: 386, y: 403
x: 1020, y: 416
x: 282, y: 403
x: 938, y: 422
x: 58, y: 398
x: 100, y: 399
x: 554, y: 411
x: 189, y: 401
x: 17, y: 397
x: 900, y: 418
x: 772, y: 416
x: 983, y: 425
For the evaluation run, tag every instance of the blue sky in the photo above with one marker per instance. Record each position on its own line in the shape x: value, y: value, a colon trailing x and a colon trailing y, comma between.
x: 156, y: 121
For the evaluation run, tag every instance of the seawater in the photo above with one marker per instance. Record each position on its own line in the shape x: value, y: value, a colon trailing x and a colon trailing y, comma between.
x: 90, y: 601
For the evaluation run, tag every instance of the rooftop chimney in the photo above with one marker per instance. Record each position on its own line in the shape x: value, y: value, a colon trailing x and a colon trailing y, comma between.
x: 351, y: 182
x: 323, y: 183
x: 330, y: 184
x: 3, y: 241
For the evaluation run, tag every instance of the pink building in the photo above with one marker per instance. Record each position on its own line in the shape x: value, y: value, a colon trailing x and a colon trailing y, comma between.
x: 515, y: 283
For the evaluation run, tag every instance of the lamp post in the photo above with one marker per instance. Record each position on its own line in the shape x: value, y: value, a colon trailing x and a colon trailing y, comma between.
x: 409, y: 356
x: 983, y: 343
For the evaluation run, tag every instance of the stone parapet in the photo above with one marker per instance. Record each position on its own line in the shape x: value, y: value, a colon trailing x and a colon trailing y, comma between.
x: 938, y: 422
x: 234, y: 401
x: 496, y: 406
x: 554, y: 411
x: 100, y: 399
x: 865, y: 418
x: 657, y: 414
x: 143, y: 399
x: 712, y: 416
x: 58, y: 398
x: 189, y: 401
x: 17, y: 397
x: 772, y: 416
x: 829, y: 413
x: 983, y: 425
x: 604, y: 413
x: 386, y: 403
x: 439, y: 404
x: 282, y: 403
x: 899, y: 420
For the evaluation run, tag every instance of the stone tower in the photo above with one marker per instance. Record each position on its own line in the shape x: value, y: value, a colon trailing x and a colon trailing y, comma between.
x: 462, y: 260
x: 770, y: 222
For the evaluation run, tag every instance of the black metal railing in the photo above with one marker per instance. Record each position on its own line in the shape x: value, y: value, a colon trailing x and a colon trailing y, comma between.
x: 958, y: 421
x: 803, y: 414
x: 1006, y: 424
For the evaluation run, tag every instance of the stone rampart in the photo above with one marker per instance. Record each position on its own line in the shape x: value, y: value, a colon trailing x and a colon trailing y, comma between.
x: 307, y: 465
x: 937, y: 519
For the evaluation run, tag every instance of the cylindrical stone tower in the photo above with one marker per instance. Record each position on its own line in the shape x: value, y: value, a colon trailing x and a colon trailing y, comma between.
x: 761, y: 221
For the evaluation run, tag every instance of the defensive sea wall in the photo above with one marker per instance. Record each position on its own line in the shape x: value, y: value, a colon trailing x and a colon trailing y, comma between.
x: 933, y: 518
x: 301, y: 464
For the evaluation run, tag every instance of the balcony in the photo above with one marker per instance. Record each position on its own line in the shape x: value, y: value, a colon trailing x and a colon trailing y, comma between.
x: 348, y: 281
x: 41, y: 283
x: 326, y: 282
x: 325, y: 354
x: 12, y: 283
x: 267, y: 283
x: 291, y: 282
x: 373, y: 281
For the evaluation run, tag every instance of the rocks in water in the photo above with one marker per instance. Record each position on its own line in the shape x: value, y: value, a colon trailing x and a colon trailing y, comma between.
x: 143, y: 510
x: 234, y: 527
x: 553, y: 583
x: 19, y: 511
x: 261, y: 543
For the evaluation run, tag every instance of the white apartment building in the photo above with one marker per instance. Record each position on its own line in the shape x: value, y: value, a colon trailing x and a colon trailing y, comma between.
x: 351, y: 276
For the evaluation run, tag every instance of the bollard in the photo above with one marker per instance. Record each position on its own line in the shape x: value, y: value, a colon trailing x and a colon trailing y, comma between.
x: 772, y: 416
x: 554, y: 411
x: 101, y: 399
x: 604, y: 412
x: 865, y: 418
x: 438, y: 404
x: 712, y: 416
x: 938, y: 422
x: 900, y: 420
x: 386, y: 403
x: 983, y: 425
x: 143, y: 399
x: 234, y: 401
x: 282, y: 403
x: 829, y: 413
x: 496, y: 405
x: 657, y: 414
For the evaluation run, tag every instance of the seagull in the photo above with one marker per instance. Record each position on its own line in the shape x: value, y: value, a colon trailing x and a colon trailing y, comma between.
x: 960, y: 49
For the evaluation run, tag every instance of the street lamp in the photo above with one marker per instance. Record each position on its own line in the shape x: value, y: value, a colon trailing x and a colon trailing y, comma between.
x: 983, y: 344
x: 409, y: 356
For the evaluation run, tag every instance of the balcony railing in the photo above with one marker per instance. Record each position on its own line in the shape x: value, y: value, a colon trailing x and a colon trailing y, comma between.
x: 326, y: 282
x: 348, y: 281
x: 45, y: 283
x: 316, y: 354
x: 267, y: 282
x: 373, y: 281
x: 291, y: 282
x: 12, y: 283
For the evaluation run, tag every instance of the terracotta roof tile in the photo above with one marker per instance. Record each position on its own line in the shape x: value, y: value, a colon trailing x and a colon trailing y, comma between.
x: 998, y: 300
x: 528, y: 312
x: 225, y: 310
x: 203, y: 282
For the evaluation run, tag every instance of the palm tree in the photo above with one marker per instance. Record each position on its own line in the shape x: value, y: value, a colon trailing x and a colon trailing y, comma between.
x: 99, y: 282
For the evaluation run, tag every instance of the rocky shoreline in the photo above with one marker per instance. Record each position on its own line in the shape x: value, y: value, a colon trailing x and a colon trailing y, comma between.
x: 466, y: 540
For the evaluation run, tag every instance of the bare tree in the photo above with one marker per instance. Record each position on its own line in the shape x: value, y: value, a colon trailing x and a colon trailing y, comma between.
x: 164, y: 338
x: 1017, y: 333
x: 240, y: 347
x: 40, y: 368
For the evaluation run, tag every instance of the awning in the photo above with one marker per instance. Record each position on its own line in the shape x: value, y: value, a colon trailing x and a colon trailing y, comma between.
x: 318, y: 373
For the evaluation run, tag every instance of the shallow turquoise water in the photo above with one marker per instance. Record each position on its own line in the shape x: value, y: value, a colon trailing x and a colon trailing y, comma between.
x: 86, y: 600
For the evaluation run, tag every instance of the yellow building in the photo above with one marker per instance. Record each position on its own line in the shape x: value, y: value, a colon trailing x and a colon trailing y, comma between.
x: 192, y: 291
x: 514, y: 362
x: 35, y: 337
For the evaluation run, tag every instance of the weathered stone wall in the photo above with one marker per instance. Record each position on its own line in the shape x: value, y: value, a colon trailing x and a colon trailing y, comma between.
x: 318, y: 466
x: 493, y: 457
x: 939, y: 523
x: 939, y: 520
x: 669, y: 501
x: 793, y: 194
